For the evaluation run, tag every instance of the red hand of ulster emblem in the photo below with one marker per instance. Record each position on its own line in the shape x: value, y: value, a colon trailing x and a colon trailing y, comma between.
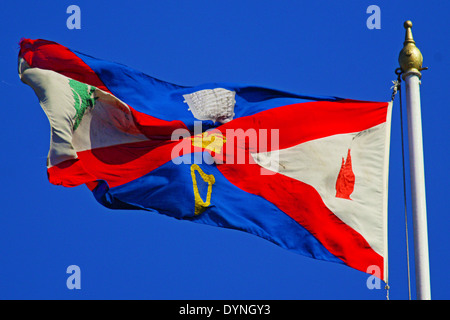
x: 345, y: 183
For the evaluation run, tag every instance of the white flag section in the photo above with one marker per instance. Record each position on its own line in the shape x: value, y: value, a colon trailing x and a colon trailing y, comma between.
x: 82, y: 117
x: 350, y: 172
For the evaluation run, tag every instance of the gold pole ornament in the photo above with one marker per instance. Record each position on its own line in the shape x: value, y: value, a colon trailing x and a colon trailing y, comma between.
x: 410, y: 58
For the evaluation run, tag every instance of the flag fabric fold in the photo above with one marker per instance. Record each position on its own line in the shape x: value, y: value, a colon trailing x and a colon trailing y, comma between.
x: 308, y: 173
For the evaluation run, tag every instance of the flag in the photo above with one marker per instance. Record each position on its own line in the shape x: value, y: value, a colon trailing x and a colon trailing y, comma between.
x: 308, y: 173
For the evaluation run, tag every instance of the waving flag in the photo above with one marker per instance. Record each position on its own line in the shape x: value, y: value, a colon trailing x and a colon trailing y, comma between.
x: 307, y: 173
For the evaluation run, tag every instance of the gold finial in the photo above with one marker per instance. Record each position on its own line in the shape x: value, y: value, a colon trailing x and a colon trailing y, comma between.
x: 410, y: 57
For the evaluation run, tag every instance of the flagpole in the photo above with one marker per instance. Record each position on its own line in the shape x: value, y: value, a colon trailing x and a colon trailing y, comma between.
x: 410, y: 60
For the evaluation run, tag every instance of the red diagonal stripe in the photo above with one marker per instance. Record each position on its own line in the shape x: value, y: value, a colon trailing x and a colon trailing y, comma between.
x: 302, y: 122
x: 50, y: 55
x: 304, y: 204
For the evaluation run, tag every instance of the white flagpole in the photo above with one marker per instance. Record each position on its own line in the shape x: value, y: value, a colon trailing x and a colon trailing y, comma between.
x: 410, y: 60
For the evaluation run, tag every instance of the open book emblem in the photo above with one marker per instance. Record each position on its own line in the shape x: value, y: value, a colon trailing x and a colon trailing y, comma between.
x: 212, y: 104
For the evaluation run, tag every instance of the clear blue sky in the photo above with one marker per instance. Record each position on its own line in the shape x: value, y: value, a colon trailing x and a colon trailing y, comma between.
x: 310, y: 47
